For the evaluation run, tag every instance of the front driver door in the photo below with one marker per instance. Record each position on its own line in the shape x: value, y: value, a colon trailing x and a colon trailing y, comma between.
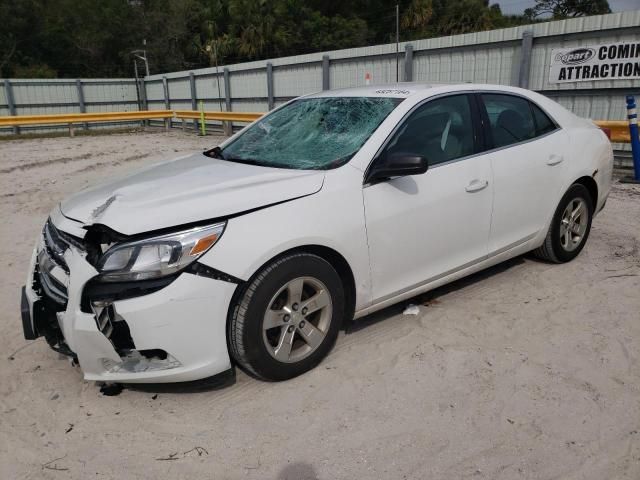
x: 424, y: 227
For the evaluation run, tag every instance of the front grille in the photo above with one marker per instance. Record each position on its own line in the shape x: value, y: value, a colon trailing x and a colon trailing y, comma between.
x: 51, y: 257
x: 57, y: 242
x: 113, y: 326
x: 51, y: 287
x: 105, y: 318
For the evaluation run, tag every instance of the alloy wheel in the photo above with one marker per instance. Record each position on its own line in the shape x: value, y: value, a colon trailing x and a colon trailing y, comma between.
x: 297, y: 319
x: 574, y: 223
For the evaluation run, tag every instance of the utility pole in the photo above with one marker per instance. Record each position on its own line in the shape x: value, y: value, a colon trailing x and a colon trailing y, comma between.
x: 135, y: 69
x: 211, y: 48
x: 215, y: 55
x: 146, y: 64
x: 142, y: 55
x: 397, y: 42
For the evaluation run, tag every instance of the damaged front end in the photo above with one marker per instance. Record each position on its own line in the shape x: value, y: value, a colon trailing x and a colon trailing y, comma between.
x: 123, y: 320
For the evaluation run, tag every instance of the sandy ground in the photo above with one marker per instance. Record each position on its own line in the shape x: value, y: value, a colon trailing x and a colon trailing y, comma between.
x: 526, y: 371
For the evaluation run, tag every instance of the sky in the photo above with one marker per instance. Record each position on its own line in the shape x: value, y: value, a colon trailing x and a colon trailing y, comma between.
x: 516, y: 7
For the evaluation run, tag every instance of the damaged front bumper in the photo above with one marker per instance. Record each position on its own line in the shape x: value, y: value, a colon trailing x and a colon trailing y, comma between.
x: 175, y: 334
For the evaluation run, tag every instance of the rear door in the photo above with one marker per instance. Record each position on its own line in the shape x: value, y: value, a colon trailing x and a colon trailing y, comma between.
x: 528, y: 164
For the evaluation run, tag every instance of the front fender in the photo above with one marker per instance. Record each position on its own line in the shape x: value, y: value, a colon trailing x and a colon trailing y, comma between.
x: 333, y: 218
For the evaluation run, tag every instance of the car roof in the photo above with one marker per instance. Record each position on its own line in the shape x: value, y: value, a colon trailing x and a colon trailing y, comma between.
x: 419, y: 91
x: 409, y: 89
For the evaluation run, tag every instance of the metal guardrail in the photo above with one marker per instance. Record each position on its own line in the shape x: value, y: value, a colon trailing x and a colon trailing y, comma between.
x: 619, y: 130
x: 71, y: 118
x: 222, y: 116
x: 83, y: 118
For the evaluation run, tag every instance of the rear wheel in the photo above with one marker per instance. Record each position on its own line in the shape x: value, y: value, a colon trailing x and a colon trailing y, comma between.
x: 569, y: 228
x: 288, y: 318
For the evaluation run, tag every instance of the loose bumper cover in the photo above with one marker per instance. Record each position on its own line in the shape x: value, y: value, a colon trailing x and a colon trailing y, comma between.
x: 174, y: 334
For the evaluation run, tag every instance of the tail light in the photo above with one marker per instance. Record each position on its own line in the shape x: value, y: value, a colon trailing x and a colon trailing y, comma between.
x: 607, y: 132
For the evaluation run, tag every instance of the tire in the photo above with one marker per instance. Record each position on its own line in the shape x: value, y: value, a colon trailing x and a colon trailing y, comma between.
x: 260, y: 333
x: 566, y: 238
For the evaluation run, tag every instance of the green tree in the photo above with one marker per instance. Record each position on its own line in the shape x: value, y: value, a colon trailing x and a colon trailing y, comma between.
x: 169, y: 28
x: 89, y: 38
x: 558, y: 9
x: 19, y: 35
x: 417, y: 16
x: 254, y: 26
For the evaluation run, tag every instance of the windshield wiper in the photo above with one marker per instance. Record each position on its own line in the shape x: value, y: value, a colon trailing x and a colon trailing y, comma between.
x: 216, y: 152
x: 248, y: 161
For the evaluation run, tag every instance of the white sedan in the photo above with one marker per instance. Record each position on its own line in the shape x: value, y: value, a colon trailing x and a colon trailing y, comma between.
x: 331, y: 207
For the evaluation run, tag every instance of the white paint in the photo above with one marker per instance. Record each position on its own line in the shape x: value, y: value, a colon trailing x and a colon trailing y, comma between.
x: 178, y: 192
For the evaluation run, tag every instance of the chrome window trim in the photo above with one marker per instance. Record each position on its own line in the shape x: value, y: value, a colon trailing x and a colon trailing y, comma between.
x: 523, y: 142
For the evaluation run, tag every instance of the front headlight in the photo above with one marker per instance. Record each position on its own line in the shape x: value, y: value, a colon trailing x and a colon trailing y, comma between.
x: 157, y: 256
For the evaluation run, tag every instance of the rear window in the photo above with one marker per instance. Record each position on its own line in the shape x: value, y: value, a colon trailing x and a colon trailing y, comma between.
x: 543, y: 122
x: 510, y: 118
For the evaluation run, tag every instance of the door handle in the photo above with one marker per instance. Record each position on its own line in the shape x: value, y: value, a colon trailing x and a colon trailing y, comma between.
x: 476, y: 185
x: 554, y: 159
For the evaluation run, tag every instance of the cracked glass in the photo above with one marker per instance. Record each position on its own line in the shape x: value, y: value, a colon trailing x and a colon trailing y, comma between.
x: 311, y: 134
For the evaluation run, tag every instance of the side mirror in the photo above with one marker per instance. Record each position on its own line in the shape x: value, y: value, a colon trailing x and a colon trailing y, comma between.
x: 398, y: 165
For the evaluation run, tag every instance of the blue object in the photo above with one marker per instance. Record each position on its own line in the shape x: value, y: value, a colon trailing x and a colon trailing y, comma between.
x: 632, y: 115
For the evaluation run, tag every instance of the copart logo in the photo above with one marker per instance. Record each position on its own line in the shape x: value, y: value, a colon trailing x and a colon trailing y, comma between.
x: 575, y: 56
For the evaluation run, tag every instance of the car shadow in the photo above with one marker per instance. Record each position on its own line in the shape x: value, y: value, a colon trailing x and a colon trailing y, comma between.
x: 227, y: 379
x: 398, y: 308
x: 298, y: 471
x: 217, y: 382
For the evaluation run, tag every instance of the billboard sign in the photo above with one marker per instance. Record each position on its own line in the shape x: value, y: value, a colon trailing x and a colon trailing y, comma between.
x: 612, y: 61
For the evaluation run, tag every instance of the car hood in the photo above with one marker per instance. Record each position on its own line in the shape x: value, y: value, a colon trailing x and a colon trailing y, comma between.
x: 185, y: 190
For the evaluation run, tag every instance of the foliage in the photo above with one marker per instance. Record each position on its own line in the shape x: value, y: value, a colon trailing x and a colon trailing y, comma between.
x: 559, y: 9
x: 89, y: 38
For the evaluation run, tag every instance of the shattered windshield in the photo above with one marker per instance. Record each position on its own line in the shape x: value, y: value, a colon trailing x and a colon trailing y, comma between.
x: 313, y: 133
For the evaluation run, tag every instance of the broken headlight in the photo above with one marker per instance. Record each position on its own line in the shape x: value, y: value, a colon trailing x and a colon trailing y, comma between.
x: 157, y: 256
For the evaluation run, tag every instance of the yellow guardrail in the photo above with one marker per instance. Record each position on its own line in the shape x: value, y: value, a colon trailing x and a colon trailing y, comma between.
x: 81, y: 118
x: 70, y: 118
x: 222, y: 116
x: 619, y: 130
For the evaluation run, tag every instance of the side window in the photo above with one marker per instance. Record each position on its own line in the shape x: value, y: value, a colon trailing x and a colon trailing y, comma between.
x: 440, y: 130
x: 510, y: 119
x: 543, y: 122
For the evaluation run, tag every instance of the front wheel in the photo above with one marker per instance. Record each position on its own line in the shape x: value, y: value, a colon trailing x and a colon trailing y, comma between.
x: 288, y: 318
x: 569, y: 228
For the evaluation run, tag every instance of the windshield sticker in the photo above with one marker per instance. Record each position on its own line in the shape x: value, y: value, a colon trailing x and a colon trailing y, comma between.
x: 393, y: 91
